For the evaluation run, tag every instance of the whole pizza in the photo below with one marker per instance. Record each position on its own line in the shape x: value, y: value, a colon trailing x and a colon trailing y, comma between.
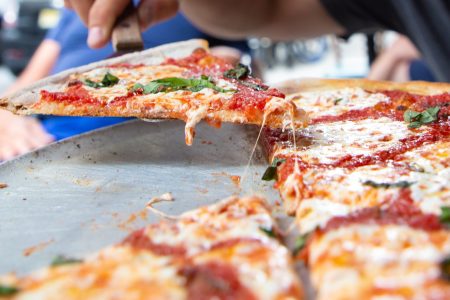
x: 362, y: 167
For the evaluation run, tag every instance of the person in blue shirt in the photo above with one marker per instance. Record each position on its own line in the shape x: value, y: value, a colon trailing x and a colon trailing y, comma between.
x: 65, y: 47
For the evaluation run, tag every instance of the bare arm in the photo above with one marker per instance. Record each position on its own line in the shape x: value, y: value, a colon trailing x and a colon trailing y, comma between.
x: 276, y: 19
x: 39, y: 66
x: 234, y: 19
x: 18, y: 134
x: 402, y: 51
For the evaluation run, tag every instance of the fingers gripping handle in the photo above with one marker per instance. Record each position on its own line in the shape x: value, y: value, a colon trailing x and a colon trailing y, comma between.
x: 126, y: 35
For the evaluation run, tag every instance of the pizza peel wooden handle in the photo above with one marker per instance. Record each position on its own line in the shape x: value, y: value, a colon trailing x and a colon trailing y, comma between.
x: 126, y: 35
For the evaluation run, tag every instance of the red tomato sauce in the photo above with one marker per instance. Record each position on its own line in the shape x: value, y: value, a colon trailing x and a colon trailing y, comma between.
x: 399, y: 102
x: 398, y: 211
x: 245, y: 99
x: 200, y: 62
x: 215, y: 280
x: 139, y: 240
x: 75, y: 94
x: 439, y: 132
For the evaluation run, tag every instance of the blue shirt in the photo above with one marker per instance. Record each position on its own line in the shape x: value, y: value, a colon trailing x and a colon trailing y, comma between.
x: 71, y: 35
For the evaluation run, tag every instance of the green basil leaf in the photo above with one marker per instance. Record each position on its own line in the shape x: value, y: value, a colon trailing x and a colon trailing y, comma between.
x: 336, y: 102
x: 414, y: 124
x: 8, y: 290
x: 417, y: 119
x: 63, y: 260
x: 410, y: 115
x: 152, y: 88
x: 137, y: 86
x: 269, y: 232
x: 91, y: 83
x: 107, y: 81
x: 239, y: 72
x: 445, y: 215
x: 254, y: 86
x: 387, y: 185
x: 300, y: 243
x: 171, y: 84
x: 445, y: 268
x: 271, y: 172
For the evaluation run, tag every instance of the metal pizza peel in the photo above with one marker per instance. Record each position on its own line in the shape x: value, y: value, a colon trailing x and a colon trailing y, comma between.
x: 83, y: 193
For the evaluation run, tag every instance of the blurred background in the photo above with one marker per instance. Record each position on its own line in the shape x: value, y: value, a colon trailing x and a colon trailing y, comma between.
x: 24, y: 23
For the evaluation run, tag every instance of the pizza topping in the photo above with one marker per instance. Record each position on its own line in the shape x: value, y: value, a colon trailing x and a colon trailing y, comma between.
x: 445, y: 268
x: 359, y: 104
x: 445, y: 215
x: 239, y: 72
x: 63, y: 260
x: 436, y: 132
x: 166, y: 85
x: 139, y: 240
x: 336, y: 101
x: 75, y: 94
x: 271, y: 171
x: 107, y: 81
x: 416, y: 119
x: 201, y: 62
x: 215, y: 280
x: 387, y: 185
x: 270, y: 232
x: 300, y: 243
x: 8, y: 290
x: 399, y: 211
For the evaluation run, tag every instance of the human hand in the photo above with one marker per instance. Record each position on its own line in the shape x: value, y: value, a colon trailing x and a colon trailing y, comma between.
x: 19, y: 135
x: 101, y: 15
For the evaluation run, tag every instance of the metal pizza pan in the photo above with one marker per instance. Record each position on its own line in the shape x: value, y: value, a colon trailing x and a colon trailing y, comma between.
x: 78, y: 195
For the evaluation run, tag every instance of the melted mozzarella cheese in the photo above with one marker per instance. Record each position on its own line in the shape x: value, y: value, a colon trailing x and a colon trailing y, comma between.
x: 391, y: 258
x: 325, y: 143
x: 114, y: 273
x: 200, y: 230
x: 336, y: 102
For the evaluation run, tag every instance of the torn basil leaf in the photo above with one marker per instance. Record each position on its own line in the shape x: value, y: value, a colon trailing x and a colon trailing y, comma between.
x: 387, y: 185
x: 336, y: 101
x: 107, y: 81
x: 445, y: 268
x: 8, y: 290
x: 417, y: 119
x: 254, y: 86
x: 63, y: 260
x: 445, y: 215
x: 271, y: 171
x: 239, y: 72
x: 172, y: 84
x: 269, y: 232
x: 300, y: 243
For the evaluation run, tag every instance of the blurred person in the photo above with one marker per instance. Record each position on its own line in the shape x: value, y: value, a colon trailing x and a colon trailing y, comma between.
x: 400, y: 62
x: 65, y: 47
x: 425, y: 22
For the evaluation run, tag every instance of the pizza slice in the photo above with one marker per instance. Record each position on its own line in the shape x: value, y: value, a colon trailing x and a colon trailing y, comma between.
x: 392, y: 252
x: 350, y: 156
x: 347, y: 102
x: 175, y: 81
x: 228, y: 250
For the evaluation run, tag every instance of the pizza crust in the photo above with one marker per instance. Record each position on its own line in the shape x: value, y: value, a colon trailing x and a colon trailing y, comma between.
x: 20, y: 101
x: 316, y: 85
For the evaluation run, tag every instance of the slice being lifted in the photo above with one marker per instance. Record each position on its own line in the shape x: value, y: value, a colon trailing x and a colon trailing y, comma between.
x: 224, y: 251
x: 176, y: 81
